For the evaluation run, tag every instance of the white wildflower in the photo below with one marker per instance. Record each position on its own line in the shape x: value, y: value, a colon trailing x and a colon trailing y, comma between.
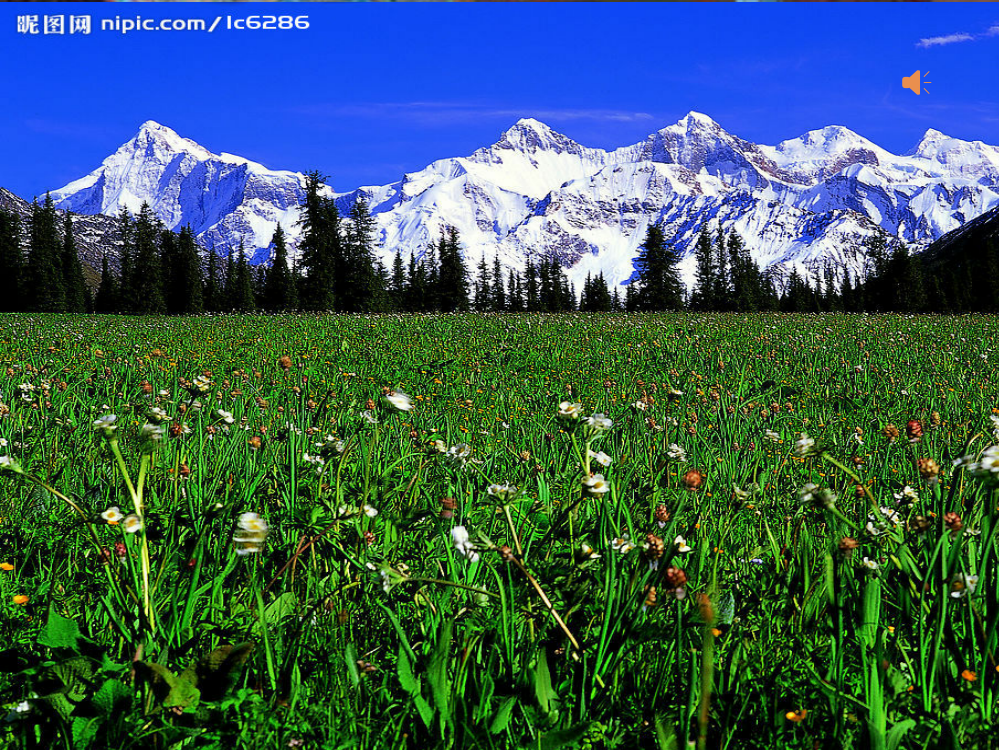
x: 462, y: 543
x: 112, y: 515
x: 676, y: 453
x: 399, y: 400
x: 595, y: 484
x: 600, y: 457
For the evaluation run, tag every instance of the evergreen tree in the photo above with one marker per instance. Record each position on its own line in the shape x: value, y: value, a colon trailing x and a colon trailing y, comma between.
x: 243, y: 299
x: 360, y: 284
x: 453, y: 278
x: 126, y: 278
x: 77, y: 295
x: 659, y: 285
x: 483, y: 293
x: 279, y: 288
x: 12, y: 269
x: 147, y: 280
x: 45, y: 281
x: 214, y: 291
x: 321, y: 260
x: 514, y: 297
x: 229, y: 293
x: 499, y: 294
x: 186, y: 292
x: 705, y: 274
x: 532, y: 292
x: 107, y: 299
x: 397, y: 290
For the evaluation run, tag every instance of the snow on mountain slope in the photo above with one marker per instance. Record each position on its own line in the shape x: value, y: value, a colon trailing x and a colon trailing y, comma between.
x: 224, y: 198
x: 536, y: 192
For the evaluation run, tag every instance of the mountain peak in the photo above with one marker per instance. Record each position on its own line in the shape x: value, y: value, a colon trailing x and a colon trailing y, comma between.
x: 152, y: 131
x: 696, y: 118
x: 530, y: 135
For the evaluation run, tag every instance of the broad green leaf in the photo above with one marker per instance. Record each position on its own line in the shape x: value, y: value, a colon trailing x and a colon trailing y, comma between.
x: 350, y: 657
x: 503, y: 715
x: 112, y: 697
x: 60, y: 632
x: 405, y: 669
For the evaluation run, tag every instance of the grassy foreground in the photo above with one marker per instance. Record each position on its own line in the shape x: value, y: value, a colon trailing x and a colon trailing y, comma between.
x: 499, y: 532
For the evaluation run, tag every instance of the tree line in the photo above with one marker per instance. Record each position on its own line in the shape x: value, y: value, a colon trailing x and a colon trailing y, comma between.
x: 163, y: 272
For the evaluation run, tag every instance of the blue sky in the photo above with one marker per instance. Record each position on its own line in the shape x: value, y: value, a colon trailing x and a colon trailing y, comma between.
x: 370, y: 91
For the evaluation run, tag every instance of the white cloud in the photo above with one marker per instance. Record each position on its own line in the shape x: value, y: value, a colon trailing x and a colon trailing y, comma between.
x: 939, y: 41
x: 960, y: 36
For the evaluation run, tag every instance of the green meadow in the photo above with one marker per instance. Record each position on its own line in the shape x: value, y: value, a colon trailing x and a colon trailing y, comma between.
x: 499, y: 531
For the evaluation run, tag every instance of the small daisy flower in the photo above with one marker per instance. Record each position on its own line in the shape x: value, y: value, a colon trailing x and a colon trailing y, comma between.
x: 112, y: 515
x: 399, y: 400
x: 568, y: 411
x: 463, y: 544
x: 596, y: 485
x: 804, y: 446
x: 132, y: 524
x: 622, y: 544
x: 676, y: 453
x: 600, y: 457
x: 681, y: 545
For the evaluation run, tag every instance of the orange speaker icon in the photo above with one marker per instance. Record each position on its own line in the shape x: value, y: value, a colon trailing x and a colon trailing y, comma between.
x: 914, y: 83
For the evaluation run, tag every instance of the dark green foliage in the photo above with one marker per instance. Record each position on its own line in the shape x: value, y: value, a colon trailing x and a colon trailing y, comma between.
x: 452, y: 281
x: 321, y: 256
x: 659, y: 287
x: 279, y: 287
x: 360, y: 284
x: 596, y: 297
x: 147, y: 279
x: 706, y: 275
x: 11, y: 263
x: 182, y: 267
x: 108, y: 297
x: 77, y: 296
x: 241, y: 297
x: 214, y: 287
x: 44, y: 279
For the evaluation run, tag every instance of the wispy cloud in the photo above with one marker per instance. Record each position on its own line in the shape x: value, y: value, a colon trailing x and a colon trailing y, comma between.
x: 447, y: 113
x: 960, y: 36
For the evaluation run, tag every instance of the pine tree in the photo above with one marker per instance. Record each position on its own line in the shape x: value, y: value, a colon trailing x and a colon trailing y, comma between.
x: 483, y: 292
x: 659, y: 282
x: 361, y: 285
x: 397, y: 294
x: 148, y: 274
x: 705, y: 274
x: 107, y: 299
x: 213, y: 292
x: 186, y: 278
x: 77, y: 295
x: 453, y: 278
x: 279, y: 289
x: 12, y: 269
x: 321, y: 258
x: 532, y: 291
x: 243, y: 299
x: 514, y: 297
x: 45, y: 281
x: 126, y: 277
x: 499, y: 294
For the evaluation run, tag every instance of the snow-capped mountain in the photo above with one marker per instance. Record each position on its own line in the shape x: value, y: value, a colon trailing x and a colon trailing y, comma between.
x: 224, y: 198
x: 538, y: 192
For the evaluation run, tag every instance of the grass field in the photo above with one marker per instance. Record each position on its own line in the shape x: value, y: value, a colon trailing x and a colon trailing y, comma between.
x: 499, y: 532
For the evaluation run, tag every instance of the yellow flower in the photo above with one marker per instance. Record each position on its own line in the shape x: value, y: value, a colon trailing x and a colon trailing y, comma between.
x: 6, y: 566
x: 21, y: 599
x: 969, y: 675
x: 796, y: 716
